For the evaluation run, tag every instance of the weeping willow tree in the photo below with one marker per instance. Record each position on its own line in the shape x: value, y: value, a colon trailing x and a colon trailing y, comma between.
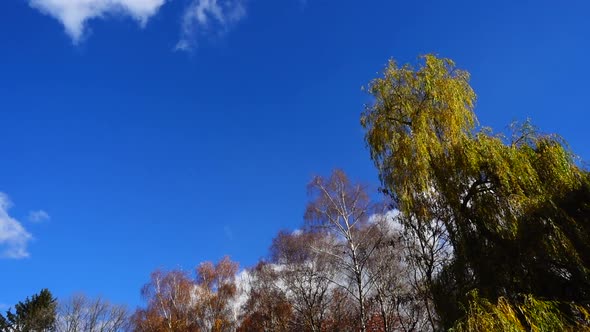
x: 515, y: 208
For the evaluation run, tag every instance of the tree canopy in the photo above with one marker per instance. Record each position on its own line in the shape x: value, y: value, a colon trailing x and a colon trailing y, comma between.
x: 515, y: 209
x: 482, y: 231
x: 35, y: 314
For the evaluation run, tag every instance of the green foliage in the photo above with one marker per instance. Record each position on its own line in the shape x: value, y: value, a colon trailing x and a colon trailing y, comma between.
x: 37, y: 314
x: 515, y: 211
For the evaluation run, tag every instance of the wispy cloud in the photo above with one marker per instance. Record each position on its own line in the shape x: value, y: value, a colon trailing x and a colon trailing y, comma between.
x: 204, y: 17
x: 14, y: 238
x: 38, y: 216
x: 74, y: 14
x: 228, y: 232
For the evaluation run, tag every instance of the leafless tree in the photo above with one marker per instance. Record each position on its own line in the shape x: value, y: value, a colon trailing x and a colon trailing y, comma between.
x: 306, y: 275
x: 267, y: 307
x: 428, y: 250
x: 343, y: 209
x: 82, y: 314
x: 397, y: 287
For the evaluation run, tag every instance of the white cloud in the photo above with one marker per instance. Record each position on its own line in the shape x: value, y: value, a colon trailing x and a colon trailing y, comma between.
x: 38, y: 216
x: 74, y: 14
x: 297, y: 232
x: 209, y: 16
x: 14, y: 238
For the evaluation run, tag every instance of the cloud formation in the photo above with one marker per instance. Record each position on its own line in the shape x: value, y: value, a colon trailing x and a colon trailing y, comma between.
x: 14, y: 238
x: 74, y: 14
x: 38, y: 216
x: 209, y: 16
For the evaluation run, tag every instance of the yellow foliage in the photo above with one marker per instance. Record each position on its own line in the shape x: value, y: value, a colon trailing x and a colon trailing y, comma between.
x: 530, y: 315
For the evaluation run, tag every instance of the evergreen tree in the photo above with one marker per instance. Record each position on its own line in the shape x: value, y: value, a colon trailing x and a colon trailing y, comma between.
x: 35, y: 314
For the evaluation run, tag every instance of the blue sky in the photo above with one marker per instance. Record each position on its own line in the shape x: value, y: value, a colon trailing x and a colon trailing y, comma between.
x: 160, y: 133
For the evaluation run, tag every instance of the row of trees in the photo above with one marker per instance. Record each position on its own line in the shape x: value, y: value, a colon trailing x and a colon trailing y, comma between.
x: 482, y: 231
x: 42, y: 312
x: 345, y: 270
x: 477, y: 232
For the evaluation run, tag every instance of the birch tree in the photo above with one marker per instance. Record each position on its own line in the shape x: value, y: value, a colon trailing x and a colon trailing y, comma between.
x: 178, y: 303
x: 170, y: 304
x: 342, y: 209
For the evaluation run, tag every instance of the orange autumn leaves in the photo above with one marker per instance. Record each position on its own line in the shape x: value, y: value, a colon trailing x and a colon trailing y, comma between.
x: 177, y: 302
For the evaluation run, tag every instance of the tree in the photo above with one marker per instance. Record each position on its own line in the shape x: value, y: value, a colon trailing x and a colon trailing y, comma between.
x: 216, y: 289
x: 81, y: 314
x: 396, y: 286
x: 305, y: 272
x: 177, y: 303
x: 342, y: 209
x: 35, y: 314
x: 169, y: 297
x: 426, y: 252
x: 267, y: 307
x: 342, y: 314
x: 513, y: 211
